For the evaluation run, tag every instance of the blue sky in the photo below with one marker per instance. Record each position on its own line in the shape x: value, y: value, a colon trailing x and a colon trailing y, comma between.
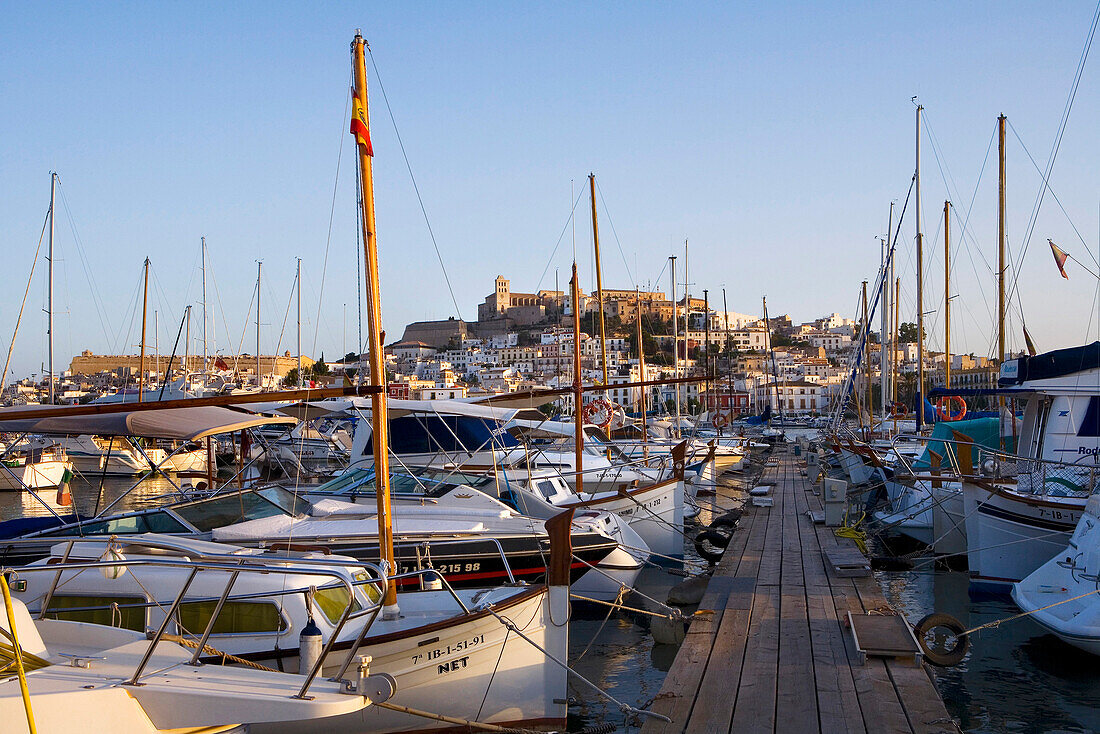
x: 772, y: 135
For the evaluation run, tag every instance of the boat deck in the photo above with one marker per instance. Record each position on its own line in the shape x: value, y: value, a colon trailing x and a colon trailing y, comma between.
x: 770, y: 650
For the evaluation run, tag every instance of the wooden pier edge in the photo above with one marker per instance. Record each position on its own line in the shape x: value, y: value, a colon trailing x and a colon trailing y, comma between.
x: 768, y: 649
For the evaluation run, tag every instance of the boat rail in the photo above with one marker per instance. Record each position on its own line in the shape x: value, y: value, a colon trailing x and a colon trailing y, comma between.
x: 337, y: 570
x: 1043, y: 477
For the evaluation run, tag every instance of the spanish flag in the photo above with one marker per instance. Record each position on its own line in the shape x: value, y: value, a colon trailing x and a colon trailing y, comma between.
x: 1059, y: 258
x: 360, y: 125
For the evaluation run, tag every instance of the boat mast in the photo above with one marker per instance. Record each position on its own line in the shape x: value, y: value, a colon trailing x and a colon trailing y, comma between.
x: 360, y: 127
x: 729, y: 355
x: 687, y: 312
x: 49, y: 323
x: 204, y: 347
x: 675, y: 342
x: 156, y: 341
x: 867, y: 357
x: 706, y: 349
x: 259, y: 381
x: 771, y: 351
x: 599, y: 278
x: 186, y: 347
x: 1001, y: 239
x: 947, y: 294
x: 641, y: 370
x: 1001, y: 267
x: 897, y: 320
x: 578, y: 393
x: 144, y: 307
x: 920, y: 288
x: 298, y: 289
x: 886, y: 378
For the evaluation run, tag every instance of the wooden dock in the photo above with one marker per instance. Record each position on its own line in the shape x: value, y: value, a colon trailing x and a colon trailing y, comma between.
x: 769, y: 649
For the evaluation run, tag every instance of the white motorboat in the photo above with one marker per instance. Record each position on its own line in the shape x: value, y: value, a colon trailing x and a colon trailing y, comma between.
x: 1063, y: 594
x: 1026, y: 505
x: 449, y: 652
x: 103, y: 679
x: 34, y: 468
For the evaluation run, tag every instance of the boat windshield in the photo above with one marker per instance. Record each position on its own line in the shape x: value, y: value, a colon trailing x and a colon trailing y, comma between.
x: 218, y: 512
x: 157, y: 521
x: 291, y: 503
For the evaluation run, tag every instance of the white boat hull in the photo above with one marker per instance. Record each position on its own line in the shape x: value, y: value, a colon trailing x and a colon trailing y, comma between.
x: 1008, y: 535
x: 474, y: 670
x: 44, y: 474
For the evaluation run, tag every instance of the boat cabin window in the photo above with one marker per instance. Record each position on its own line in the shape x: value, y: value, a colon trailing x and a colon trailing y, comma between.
x: 333, y: 600
x: 235, y: 618
x: 99, y: 610
x: 547, y: 488
x: 426, y: 434
x: 1090, y: 426
x: 219, y: 512
x: 152, y: 522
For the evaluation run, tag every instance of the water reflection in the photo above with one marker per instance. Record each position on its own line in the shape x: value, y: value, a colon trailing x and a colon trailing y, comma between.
x: 88, y: 497
x: 1017, y: 677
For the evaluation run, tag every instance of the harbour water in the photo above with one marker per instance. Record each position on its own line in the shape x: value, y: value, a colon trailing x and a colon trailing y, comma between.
x: 1016, y: 678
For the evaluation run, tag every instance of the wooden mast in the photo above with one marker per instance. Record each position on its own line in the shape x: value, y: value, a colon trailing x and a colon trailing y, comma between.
x: 675, y: 343
x: 706, y: 352
x: 379, y: 418
x: 889, y: 352
x: 144, y: 314
x: 49, y: 323
x: 259, y: 380
x: 599, y: 277
x: 641, y: 370
x: 729, y: 357
x: 1001, y: 267
x: 205, y: 349
x: 1001, y: 239
x: 578, y: 393
x: 920, y: 288
x: 298, y: 293
x: 867, y: 358
x: 947, y: 294
x: 894, y: 357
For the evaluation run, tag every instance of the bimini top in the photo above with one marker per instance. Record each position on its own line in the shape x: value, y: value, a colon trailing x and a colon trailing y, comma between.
x: 178, y: 424
x: 1048, y: 365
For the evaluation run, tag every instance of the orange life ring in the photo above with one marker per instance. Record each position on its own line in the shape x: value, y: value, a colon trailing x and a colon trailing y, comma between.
x: 897, y: 410
x: 943, y: 409
x: 721, y: 419
x: 597, y: 406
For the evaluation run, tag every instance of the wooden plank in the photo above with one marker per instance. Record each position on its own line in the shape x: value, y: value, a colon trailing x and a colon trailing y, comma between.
x: 755, y: 702
x: 796, y: 702
x: 678, y: 692
x: 714, y: 705
x: 838, y: 706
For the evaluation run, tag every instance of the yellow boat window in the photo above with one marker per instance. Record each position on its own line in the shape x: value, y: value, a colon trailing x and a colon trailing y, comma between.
x: 236, y: 618
x: 99, y: 610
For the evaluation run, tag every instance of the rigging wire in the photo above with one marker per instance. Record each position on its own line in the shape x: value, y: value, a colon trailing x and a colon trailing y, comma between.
x: 97, y: 300
x: 19, y: 318
x: 1054, y: 195
x: 1054, y: 150
x: 419, y: 198
x: 954, y: 194
x: 332, y: 208
x: 629, y: 275
x: 560, y: 237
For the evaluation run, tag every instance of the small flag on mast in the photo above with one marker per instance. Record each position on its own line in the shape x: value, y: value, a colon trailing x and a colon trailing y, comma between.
x: 360, y: 127
x: 1060, y: 258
